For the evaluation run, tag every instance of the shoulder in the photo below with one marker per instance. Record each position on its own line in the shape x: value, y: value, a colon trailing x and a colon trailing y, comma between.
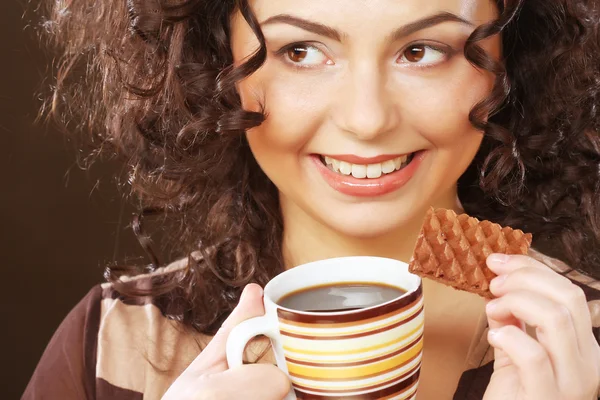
x: 111, y: 346
x: 589, y: 285
x: 139, y: 348
x: 72, y: 349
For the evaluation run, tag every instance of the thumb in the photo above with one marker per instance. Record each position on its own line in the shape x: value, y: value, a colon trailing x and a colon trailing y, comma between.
x: 255, y: 381
x: 213, y: 357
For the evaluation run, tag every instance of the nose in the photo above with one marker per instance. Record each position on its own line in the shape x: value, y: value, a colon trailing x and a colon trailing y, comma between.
x: 366, y: 106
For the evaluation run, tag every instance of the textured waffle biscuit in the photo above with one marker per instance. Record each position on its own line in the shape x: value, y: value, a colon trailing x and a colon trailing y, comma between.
x: 452, y: 249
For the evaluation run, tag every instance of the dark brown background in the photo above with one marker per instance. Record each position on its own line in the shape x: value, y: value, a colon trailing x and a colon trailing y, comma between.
x: 59, y: 225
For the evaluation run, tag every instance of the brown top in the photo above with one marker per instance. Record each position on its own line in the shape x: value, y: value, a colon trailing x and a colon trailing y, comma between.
x: 113, y: 348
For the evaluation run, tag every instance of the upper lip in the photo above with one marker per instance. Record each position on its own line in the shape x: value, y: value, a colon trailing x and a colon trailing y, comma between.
x: 354, y: 159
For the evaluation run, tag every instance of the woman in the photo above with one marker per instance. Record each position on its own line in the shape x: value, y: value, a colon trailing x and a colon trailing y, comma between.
x: 274, y: 133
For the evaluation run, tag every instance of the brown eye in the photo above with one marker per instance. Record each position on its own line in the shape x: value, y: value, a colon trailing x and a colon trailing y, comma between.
x: 414, y: 54
x: 304, y: 55
x: 423, y: 55
x: 297, y: 54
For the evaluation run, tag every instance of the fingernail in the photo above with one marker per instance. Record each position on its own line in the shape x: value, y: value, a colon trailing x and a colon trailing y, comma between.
x: 254, y: 287
x: 491, y: 306
x: 493, y: 335
x: 245, y: 292
x: 498, y: 258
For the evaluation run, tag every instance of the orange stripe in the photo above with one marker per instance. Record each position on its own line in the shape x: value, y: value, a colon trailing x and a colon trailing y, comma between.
x: 362, y: 372
x: 408, y: 376
x: 364, y: 360
x: 355, y: 351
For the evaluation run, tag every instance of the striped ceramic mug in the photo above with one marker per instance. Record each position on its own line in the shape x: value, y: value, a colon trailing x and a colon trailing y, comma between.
x: 366, y: 353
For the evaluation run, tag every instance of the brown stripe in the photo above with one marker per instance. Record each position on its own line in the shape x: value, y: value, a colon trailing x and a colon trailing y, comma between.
x: 348, y: 324
x: 312, y: 378
x: 353, y: 316
x: 354, y: 335
x: 387, y: 392
x: 406, y: 390
x: 412, y: 397
x: 90, y: 339
x: 106, y: 390
x: 403, y: 377
x: 352, y: 364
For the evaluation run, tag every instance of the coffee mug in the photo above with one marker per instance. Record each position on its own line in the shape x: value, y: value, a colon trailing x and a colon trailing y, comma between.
x: 364, y: 353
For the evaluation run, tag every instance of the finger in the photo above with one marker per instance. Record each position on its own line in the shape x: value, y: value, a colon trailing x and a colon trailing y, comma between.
x: 525, y: 273
x: 554, y: 327
x: 503, y: 264
x: 530, y: 359
x: 213, y: 358
x: 501, y: 359
x: 252, y: 382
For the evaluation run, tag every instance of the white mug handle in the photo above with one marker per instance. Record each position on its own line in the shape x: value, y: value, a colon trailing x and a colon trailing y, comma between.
x: 241, y: 334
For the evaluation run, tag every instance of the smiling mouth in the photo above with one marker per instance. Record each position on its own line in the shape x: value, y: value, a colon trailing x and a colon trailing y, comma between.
x: 367, y: 171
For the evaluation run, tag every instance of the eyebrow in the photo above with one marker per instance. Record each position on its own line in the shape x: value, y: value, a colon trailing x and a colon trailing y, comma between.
x: 403, y: 31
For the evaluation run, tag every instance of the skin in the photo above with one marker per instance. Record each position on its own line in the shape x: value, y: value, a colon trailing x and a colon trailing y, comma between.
x: 207, y: 377
x: 361, y: 100
x: 361, y: 95
x: 564, y: 361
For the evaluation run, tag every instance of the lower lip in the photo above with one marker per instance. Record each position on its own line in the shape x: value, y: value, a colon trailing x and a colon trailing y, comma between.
x: 351, y: 186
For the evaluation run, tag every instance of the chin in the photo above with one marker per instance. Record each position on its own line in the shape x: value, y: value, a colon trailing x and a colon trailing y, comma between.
x: 367, y: 226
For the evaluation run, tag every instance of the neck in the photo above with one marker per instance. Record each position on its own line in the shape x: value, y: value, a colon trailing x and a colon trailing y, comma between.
x: 306, y: 239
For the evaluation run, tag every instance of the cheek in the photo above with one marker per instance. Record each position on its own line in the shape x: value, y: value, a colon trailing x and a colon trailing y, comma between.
x: 442, y: 108
x: 445, y: 102
x: 294, y: 111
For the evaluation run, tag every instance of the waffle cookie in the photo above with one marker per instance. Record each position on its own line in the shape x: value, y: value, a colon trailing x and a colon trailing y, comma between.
x: 452, y: 249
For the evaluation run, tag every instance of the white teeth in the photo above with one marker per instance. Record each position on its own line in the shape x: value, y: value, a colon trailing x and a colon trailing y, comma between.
x: 336, y: 165
x: 345, y: 168
x: 388, y: 166
x: 359, y: 171
x: 374, y: 171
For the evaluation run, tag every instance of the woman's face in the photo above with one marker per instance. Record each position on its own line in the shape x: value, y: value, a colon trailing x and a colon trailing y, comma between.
x: 367, y: 106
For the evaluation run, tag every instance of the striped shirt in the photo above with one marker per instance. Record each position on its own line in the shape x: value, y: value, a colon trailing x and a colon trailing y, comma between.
x: 114, y: 348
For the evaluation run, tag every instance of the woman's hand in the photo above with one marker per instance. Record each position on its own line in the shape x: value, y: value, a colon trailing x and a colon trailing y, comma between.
x: 563, y: 363
x: 207, y: 377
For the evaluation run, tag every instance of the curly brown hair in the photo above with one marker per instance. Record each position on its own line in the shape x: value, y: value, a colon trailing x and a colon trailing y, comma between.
x: 153, y: 81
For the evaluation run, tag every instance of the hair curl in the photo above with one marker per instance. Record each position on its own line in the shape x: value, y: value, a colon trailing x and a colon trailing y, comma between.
x: 153, y: 81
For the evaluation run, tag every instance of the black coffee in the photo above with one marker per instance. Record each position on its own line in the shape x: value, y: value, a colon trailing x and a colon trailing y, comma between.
x: 340, y: 297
